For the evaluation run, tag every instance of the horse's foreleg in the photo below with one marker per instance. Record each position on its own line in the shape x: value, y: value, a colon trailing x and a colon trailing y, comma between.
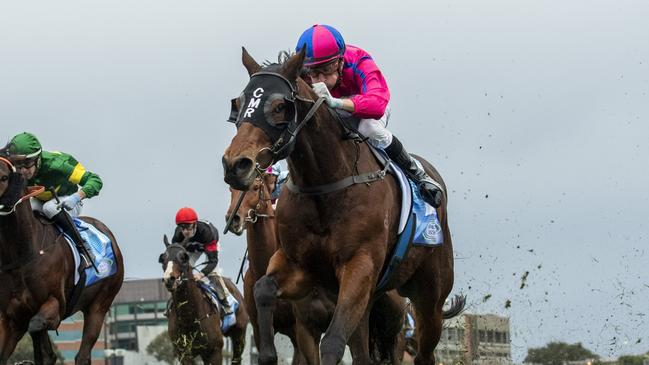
x: 93, y: 318
x: 238, y: 345
x: 283, y: 279
x: 359, y: 343
x: 9, y: 337
x: 43, y: 351
x: 249, y: 303
x: 308, y: 343
x: 47, y: 318
x: 215, y: 358
x: 356, y: 278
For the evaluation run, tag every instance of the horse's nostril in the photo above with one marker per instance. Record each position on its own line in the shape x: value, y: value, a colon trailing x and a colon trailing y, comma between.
x: 236, y: 221
x: 242, y: 166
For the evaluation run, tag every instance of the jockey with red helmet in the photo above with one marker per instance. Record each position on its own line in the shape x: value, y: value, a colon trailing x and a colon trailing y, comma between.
x: 347, y: 77
x: 202, y: 237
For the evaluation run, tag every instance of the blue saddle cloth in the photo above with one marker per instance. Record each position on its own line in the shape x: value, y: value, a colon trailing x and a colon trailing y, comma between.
x: 101, y: 247
x: 418, y: 226
x: 227, y: 320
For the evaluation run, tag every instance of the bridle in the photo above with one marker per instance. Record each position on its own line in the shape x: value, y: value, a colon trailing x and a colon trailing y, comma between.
x: 282, y: 147
x: 285, y: 143
x: 32, y: 191
x: 182, y: 278
x: 253, y: 214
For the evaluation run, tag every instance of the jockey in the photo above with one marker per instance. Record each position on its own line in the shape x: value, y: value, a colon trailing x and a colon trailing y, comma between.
x: 347, y: 77
x: 61, y: 172
x: 203, y: 238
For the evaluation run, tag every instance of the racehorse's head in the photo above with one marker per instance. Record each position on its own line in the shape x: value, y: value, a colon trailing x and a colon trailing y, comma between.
x: 253, y: 206
x: 6, y: 168
x: 175, y: 264
x: 12, y: 185
x: 266, y: 115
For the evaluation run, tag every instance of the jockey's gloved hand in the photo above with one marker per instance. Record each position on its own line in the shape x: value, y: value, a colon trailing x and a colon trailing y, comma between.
x: 198, y: 276
x: 321, y: 89
x: 70, y: 202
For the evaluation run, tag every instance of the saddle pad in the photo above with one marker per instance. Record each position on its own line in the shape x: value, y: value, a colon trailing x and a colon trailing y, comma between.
x: 228, y: 320
x: 101, y: 247
x: 428, y: 231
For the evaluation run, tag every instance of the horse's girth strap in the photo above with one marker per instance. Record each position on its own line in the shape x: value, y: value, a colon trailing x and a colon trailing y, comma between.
x: 338, y: 185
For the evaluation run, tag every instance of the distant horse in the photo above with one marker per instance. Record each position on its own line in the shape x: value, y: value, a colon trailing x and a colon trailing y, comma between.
x: 255, y: 215
x: 194, y: 325
x: 37, y: 275
x: 334, y: 232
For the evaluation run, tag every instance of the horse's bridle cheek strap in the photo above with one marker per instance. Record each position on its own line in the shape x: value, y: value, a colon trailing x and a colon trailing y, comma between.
x: 288, y: 137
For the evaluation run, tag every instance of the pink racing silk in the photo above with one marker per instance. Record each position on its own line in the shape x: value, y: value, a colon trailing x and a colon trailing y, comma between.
x: 363, y: 83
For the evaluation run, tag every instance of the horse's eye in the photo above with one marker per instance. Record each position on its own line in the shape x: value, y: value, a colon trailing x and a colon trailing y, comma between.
x: 184, y: 257
x: 4, y: 178
x: 280, y: 108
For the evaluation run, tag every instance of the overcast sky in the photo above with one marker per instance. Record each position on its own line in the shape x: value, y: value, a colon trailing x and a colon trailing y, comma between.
x: 535, y: 112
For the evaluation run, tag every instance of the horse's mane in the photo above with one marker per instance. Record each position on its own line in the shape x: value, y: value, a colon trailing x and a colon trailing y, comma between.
x: 282, y: 57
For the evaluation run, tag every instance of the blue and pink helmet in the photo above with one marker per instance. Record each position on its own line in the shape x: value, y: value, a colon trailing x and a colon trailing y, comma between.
x: 323, y: 44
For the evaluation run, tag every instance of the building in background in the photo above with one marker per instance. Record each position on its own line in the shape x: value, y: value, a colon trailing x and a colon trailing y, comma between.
x: 479, y: 339
x: 140, y: 303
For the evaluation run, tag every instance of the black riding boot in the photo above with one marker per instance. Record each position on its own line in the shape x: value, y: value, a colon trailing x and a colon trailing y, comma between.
x: 427, y: 186
x: 220, y: 294
x: 63, y: 220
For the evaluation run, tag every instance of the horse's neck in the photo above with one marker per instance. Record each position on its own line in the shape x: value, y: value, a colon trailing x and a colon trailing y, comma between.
x: 321, y: 156
x: 18, y: 232
x: 262, y: 243
x: 188, y: 302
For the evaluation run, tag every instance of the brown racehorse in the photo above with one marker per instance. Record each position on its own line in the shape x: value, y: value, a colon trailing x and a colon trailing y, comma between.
x: 194, y: 324
x: 341, y: 239
x: 37, y: 273
x: 255, y: 216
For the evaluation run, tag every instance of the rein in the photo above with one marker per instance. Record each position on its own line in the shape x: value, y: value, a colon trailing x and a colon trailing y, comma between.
x: 252, y: 215
x: 32, y: 191
x: 288, y: 139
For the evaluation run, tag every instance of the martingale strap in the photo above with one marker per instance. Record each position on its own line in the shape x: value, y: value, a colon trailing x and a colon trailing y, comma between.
x: 340, y: 184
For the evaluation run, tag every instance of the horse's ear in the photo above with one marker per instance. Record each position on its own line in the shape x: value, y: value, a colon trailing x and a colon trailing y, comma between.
x: 251, y: 65
x: 293, y: 67
x: 165, y: 240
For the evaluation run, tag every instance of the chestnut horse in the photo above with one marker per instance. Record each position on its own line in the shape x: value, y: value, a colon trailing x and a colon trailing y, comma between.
x: 340, y: 239
x: 37, y: 273
x: 194, y: 325
x: 255, y: 215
